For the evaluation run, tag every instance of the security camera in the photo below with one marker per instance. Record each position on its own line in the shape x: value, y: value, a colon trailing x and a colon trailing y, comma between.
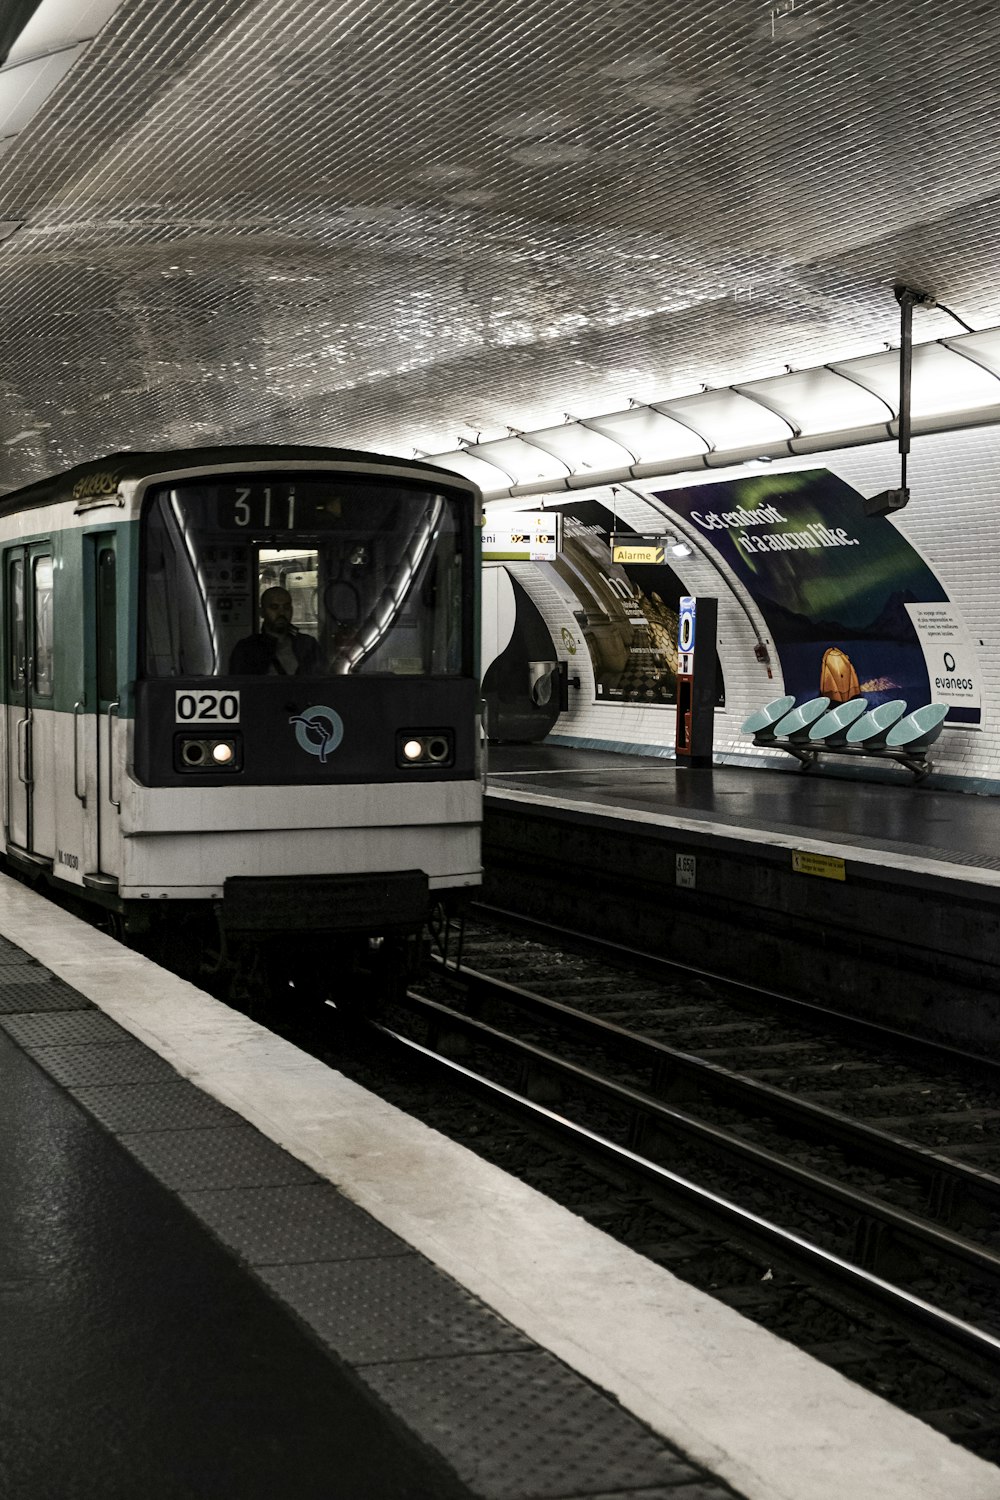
x: 886, y: 502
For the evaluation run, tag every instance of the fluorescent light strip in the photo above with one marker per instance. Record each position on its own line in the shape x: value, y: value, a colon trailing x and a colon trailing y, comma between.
x: 54, y: 39
x: 956, y: 383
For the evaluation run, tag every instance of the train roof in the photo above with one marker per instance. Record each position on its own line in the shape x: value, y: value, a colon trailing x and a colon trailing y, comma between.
x: 131, y: 465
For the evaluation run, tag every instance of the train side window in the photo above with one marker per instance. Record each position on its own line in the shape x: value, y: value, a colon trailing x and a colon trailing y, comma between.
x: 107, y: 626
x: 16, y: 622
x: 42, y: 591
x: 181, y: 628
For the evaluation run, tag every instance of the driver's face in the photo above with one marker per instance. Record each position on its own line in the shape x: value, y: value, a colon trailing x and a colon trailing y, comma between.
x: 276, y: 611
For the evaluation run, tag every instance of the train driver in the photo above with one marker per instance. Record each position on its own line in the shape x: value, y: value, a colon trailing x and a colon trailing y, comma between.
x: 280, y: 647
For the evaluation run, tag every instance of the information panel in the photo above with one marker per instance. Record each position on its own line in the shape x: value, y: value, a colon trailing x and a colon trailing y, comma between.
x: 522, y: 536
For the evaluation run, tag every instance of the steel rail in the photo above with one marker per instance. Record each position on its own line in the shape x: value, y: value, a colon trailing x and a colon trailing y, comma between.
x: 810, y: 1010
x: 950, y: 1335
x: 647, y: 1112
x: 943, y: 1176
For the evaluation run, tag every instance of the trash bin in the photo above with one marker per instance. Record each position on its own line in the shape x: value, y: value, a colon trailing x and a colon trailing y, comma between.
x: 541, y: 681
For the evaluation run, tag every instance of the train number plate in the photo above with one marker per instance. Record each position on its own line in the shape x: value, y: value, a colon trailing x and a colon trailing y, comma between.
x: 206, y: 707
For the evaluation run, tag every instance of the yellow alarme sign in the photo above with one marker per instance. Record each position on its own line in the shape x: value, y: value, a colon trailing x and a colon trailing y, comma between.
x: 623, y: 554
x: 827, y: 865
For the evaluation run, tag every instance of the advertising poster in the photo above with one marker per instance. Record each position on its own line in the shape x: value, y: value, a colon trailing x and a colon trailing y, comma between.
x: 851, y: 607
x: 628, y: 610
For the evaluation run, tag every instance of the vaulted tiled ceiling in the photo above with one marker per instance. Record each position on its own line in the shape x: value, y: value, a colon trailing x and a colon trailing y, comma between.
x: 396, y: 223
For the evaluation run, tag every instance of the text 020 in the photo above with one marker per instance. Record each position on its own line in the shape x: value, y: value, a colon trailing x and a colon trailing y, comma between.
x: 206, y: 707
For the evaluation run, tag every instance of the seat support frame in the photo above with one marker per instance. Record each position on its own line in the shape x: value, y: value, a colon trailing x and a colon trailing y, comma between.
x: 915, y: 761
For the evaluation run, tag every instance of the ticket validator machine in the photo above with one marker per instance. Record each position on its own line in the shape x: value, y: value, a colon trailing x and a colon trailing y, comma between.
x: 696, y: 633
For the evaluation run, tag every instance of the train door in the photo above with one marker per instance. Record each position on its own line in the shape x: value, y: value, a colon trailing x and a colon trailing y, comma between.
x: 18, y: 799
x: 30, y: 769
x: 104, y: 562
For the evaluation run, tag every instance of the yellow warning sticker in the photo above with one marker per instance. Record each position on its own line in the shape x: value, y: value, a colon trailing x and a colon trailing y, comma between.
x: 827, y: 865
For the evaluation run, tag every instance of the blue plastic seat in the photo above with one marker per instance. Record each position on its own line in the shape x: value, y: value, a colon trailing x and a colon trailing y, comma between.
x: 765, y: 718
x: 871, y: 730
x: 918, y: 730
x: 831, y: 729
x: 796, y: 725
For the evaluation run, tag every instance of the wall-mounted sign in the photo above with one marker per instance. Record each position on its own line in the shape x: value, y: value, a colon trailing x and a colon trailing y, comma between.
x: 521, y: 536
x: 685, y: 635
x: 828, y: 866
x: 637, y: 549
x: 852, y: 607
x: 949, y: 654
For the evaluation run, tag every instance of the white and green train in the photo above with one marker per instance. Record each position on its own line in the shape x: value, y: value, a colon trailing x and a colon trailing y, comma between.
x: 306, y: 771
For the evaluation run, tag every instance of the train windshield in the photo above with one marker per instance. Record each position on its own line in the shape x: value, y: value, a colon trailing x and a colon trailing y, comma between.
x: 308, y: 575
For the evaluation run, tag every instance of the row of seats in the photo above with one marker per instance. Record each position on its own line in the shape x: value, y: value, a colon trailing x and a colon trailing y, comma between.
x: 850, y: 728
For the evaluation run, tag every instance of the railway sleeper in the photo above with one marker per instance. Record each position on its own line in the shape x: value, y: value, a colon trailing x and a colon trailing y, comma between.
x: 879, y: 1250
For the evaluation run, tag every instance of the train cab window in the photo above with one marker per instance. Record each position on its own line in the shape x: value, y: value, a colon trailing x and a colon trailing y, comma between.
x: 368, y: 579
x: 296, y: 570
x: 42, y: 590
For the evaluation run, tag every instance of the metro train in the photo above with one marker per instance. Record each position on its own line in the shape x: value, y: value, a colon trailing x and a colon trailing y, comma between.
x: 290, y: 788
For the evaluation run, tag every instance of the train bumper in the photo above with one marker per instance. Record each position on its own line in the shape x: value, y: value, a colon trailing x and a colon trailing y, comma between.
x: 327, y: 903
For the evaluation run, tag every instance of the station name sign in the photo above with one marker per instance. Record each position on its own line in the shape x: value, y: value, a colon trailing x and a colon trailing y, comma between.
x: 522, y: 536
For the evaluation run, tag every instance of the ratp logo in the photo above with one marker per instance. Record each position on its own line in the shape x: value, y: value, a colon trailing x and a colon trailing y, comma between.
x: 318, y: 731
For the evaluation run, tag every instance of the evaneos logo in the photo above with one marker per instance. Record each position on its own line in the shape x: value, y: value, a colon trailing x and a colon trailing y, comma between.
x: 318, y: 731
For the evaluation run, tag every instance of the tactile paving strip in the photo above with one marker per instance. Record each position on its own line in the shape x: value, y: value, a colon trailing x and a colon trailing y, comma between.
x: 89, y: 1066
x: 762, y: 812
x: 286, y: 1225
x: 90, y: 1026
x: 171, y: 1105
x: 929, y: 852
x: 43, y: 992
x: 10, y: 954
x: 401, y: 1308
x: 522, y: 1424
x: 471, y: 1384
x: 704, y: 1489
x: 219, y: 1158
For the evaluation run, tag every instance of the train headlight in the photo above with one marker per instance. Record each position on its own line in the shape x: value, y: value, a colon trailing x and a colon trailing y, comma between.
x: 425, y: 747
x: 207, y: 755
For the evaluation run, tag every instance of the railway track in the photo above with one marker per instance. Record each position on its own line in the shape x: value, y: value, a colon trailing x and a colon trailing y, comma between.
x: 894, y: 1244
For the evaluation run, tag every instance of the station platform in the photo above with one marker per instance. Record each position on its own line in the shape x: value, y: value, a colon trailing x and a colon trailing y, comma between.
x: 924, y: 837
x: 227, y: 1271
x: 878, y: 898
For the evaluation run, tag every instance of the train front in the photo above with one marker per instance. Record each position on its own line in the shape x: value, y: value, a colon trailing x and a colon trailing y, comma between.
x: 306, y: 749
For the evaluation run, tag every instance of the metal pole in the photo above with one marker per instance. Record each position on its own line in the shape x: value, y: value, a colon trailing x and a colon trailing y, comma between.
x: 906, y: 299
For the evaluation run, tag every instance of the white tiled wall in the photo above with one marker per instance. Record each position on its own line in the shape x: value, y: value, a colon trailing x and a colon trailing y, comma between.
x: 953, y: 520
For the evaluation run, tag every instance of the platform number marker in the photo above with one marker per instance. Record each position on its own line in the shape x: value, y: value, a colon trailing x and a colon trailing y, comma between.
x: 686, y: 870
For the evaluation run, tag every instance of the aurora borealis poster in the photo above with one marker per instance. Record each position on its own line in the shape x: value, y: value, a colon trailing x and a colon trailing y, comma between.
x: 824, y: 575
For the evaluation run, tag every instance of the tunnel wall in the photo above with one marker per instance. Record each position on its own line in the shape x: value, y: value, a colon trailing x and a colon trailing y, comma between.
x: 952, y: 520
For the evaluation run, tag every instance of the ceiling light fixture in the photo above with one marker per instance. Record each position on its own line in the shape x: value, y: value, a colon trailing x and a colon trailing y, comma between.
x: 955, y: 384
x: 41, y: 54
